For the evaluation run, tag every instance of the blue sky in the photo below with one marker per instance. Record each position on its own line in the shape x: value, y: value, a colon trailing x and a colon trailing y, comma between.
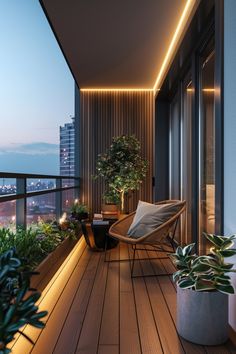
x: 36, y: 90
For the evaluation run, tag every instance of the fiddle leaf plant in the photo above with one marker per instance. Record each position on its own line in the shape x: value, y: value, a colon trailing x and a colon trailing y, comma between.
x: 17, y: 306
x: 208, y: 272
x: 122, y: 166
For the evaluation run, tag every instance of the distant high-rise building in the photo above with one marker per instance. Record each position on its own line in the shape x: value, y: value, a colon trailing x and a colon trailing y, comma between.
x: 67, y: 149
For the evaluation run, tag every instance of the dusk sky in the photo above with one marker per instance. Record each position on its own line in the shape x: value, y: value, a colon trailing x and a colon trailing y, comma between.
x: 36, y: 90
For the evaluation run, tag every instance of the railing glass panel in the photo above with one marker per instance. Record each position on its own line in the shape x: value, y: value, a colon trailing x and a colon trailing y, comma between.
x: 43, y: 206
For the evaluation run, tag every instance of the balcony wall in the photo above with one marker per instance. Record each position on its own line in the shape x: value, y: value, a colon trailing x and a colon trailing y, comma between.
x: 104, y: 115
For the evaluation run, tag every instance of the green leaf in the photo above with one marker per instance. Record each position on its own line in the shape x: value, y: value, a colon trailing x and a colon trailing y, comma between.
x: 14, y: 262
x: 223, y: 277
x: 227, y: 266
x: 227, y: 244
x: 228, y: 289
x: 220, y: 281
x: 216, y: 240
x: 188, y: 249
x: 178, y: 274
x: 179, y: 251
x: 186, y: 283
x: 228, y: 253
x: 204, y: 286
x: 207, y: 277
x: 9, y: 314
x: 200, y: 267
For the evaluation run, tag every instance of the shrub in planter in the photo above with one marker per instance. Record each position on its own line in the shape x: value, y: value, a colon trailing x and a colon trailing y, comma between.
x: 16, y: 307
x: 34, y: 244
x: 203, y: 285
x: 70, y: 226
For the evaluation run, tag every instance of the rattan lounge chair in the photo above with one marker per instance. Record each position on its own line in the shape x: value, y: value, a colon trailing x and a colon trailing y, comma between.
x: 160, y: 239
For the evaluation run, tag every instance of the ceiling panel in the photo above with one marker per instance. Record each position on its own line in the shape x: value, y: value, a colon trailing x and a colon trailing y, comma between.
x: 114, y: 43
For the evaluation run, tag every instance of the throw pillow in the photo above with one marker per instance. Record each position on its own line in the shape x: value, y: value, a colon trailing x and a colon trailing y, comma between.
x: 149, y: 216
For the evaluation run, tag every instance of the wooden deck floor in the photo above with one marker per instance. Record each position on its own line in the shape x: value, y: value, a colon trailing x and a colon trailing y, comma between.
x: 95, y: 307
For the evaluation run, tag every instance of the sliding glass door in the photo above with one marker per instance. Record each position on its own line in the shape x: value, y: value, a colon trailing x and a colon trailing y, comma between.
x: 206, y: 146
x: 174, y: 148
x: 186, y: 157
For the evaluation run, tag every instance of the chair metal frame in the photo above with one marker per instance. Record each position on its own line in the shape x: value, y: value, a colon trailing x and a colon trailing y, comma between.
x: 171, y: 224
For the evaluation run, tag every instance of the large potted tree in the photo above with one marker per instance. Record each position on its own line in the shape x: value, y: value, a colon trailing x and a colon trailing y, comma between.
x: 203, y: 286
x: 122, y: 166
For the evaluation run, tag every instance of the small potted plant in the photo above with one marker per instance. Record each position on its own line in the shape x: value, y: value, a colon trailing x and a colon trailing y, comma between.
x: 203, y: 286
x: 79, y: 211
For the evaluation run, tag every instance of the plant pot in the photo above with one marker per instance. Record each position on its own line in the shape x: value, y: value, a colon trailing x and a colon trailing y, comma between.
x: 110, y: 211
x: 110, y: 208
x: 80, y: 216
x: 202, y: 317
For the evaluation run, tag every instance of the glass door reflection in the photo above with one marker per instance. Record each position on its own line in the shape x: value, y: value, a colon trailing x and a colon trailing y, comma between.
x: 207, y: 148
x: 186, y: 158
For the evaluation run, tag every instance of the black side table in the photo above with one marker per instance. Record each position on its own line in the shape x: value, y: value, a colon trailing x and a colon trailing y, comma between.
x: 95, y: 236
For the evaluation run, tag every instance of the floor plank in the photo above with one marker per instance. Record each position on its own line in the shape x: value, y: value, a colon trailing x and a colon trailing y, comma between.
x: 149, y: 338
x: 88, y: 341
x: 167, y: 332
x: 109, y: 335
x: 108, y: 349
x: 68, y: 338
x: 129, y: 333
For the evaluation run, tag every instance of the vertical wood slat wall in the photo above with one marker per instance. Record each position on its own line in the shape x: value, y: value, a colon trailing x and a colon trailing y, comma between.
x: 106, y: 114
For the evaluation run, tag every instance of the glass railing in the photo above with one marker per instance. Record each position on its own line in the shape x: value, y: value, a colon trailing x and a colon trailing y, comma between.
x: 26, y: 197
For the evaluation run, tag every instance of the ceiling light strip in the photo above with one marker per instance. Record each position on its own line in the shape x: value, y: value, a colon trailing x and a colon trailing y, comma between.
x: 115, y: 89
x: 182, y: 22
x: 178, y: 32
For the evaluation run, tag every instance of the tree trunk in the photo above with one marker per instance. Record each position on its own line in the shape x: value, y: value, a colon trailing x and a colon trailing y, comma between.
x: 122, y: 199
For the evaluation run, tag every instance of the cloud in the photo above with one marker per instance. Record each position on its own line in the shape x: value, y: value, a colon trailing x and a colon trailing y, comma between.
x: 37, y: 148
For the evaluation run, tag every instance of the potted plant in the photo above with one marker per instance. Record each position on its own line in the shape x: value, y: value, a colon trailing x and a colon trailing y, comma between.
x: 111, y: 201
x: 203, y: 286
x: 122, y: 166
x: 17, y: 306
x: 79, y: 211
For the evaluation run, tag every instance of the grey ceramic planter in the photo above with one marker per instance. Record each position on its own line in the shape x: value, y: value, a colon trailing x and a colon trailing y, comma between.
x: 202, y: 317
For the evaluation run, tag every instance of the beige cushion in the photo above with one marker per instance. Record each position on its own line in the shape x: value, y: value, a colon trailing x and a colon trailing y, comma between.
x: 149, y: 216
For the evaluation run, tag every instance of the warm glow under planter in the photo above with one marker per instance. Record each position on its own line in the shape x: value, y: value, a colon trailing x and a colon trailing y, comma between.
x: 48, y: 267
x: 202, y: 317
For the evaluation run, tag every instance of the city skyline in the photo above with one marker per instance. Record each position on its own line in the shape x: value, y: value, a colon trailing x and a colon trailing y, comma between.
x: 38, y: 92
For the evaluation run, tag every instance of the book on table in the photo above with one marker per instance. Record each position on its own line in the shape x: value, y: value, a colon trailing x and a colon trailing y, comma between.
x: 100, y: 222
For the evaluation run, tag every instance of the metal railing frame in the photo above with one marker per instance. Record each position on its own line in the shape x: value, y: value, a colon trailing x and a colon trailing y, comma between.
x: 21, y: 194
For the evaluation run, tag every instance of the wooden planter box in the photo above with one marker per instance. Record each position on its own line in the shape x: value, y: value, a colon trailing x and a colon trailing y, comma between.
x: 48, y: 267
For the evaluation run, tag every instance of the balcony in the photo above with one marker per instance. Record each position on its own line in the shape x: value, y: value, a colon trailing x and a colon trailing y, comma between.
x: 160, y: 76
